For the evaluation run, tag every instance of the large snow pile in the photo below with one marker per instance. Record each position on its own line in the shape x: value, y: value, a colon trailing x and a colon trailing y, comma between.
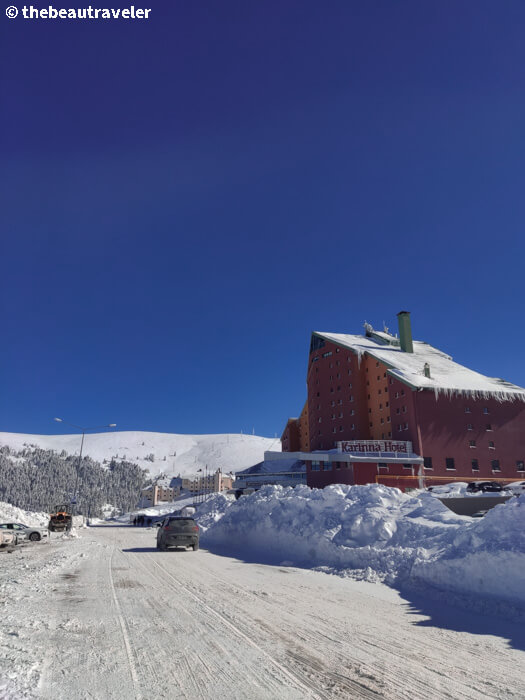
x: 12, y: 514
x: 168, y: 453
x: 374, y: 532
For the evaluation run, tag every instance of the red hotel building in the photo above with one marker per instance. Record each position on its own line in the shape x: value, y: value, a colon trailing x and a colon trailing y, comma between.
x: 448, y: 422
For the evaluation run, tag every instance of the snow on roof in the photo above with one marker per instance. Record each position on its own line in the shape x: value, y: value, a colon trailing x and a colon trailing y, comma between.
x: 446, y: 376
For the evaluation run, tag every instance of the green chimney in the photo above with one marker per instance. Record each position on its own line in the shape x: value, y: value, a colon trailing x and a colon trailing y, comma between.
x: 405, y: 331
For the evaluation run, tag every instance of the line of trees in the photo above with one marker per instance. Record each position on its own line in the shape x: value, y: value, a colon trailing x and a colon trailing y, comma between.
x: 37, y: 480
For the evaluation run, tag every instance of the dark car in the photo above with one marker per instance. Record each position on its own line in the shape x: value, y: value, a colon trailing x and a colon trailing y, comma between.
x: 484, y: 486
x: 178, y: 532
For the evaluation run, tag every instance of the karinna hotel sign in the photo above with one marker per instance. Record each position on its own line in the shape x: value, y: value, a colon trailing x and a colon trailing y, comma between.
x: 390, y: 446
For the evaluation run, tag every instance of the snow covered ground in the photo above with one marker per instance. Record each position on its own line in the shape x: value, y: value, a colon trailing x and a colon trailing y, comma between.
x: 106, y: 616
x: 158, y: 452
x: 286, y: 598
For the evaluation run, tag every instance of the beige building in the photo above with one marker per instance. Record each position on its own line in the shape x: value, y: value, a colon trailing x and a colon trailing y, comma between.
x: 208, y: 483
x: 160, y: 493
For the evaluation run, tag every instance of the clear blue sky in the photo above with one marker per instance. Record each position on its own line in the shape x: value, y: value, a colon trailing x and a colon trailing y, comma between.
x: 184, y: 199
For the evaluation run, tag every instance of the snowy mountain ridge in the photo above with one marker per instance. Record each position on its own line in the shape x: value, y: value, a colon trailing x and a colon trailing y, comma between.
x: 169, y: 453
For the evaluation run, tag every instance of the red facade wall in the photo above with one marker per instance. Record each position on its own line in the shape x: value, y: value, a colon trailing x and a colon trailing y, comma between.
x: 444, y: 433
x: 335, y: 377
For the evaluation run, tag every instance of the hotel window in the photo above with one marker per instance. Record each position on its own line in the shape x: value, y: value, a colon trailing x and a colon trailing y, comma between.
x: 387, y: 404
x: 485, y: 411
x: 391, y: 381
x: 319, y: 420
x: 349, y: 371
x: 427, y: 462
x: 316, y: 466
x: 338, y: 350
x: 333, y: 403
x: 369, y: 410
x: 402, y: 392
x: 333, y: 416
x: 398, y: 411
x: 340, y: 415
x: 390, y: 434
x: 495, y: 465
x: 380, y: 406
x: 368, y: 396
x: 338, y: 465
x: 449, y: 463
x: 404, y: 409
x: 351, y: 399
x: 327, y: 466
x: 352, y: 427
x: 472, y: 443
x: 331, y: 389
x: 492, y: 446
x: 520, y: 465
x: 382, y: 421
x: 407, y: 466
x: 334, y: 430
x: 331, y: 365
x: 397, y: 394
x: 382, y: 465
x: 378, y: 377
x: 467, y: 409
x: 469, y: 426
x: 327, y: 354
x: 340, y: 402
x: 340, y: 428
x: 371, y: 425
x: 388, y: 419
x: 475, y: 465
x: 349, y: 385
x: 379, y: 391
x: 384, y: 375
x: 352, y: 412
x: 488, y: 427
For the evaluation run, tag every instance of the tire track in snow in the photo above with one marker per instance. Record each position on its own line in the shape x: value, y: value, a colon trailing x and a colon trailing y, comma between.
x: 129, y: 653
x: 295, y: 680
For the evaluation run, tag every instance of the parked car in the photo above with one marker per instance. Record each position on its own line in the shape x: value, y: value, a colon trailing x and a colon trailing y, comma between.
x: 484, y: 486
x: 178, y: 532
x: 515, y: 487
x: 8, y: 538
x: 25, y: 532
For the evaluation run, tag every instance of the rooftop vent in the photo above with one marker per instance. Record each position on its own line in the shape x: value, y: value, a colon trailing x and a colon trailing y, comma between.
x: 426, y: 370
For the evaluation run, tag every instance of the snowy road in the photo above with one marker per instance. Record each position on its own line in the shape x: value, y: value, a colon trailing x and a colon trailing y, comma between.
x: 106, y: 616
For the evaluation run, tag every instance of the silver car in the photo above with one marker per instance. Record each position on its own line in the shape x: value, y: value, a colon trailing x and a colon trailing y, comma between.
x: 178, y: 532
x: 24, y: 532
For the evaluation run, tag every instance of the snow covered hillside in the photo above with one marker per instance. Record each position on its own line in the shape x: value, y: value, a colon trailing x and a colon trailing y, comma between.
x: 157, y: 452
x: 375, y: 533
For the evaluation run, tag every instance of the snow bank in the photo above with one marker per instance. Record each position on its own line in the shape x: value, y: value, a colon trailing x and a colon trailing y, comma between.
x: 12, y: 514
x: 374, y: 532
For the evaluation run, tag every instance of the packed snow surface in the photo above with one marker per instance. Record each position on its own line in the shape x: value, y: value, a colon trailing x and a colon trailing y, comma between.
x: 446, y: 376
x: 12, y: 514
x: 168, y: 453
x: 376, y: 533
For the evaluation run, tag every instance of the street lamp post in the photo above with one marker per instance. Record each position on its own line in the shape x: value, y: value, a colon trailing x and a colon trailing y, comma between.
x: 84, y: 431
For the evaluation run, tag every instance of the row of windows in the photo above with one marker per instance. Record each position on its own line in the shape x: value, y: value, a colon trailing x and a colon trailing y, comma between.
x: 495, y: 464
x: 488, y: 427
x: 327, y: 466
x: 485, y: 410
x: 492, y: 446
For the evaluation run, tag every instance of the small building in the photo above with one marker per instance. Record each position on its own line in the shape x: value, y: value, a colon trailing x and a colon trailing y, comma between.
x: 277, y: 469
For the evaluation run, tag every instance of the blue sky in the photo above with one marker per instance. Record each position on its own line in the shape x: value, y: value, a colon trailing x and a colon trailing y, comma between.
x: 184, y: 199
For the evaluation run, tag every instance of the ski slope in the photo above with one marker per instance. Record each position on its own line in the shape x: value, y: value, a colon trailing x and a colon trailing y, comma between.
x: 173, y: 454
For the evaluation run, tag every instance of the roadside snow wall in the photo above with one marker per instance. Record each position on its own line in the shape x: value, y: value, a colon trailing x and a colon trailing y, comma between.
x: 374, y: 532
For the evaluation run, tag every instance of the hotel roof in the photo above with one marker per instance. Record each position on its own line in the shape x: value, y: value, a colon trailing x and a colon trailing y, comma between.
x: 446, y: 376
